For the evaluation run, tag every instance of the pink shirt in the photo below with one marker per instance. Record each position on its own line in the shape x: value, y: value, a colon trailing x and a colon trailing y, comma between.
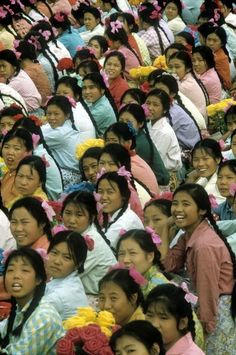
x: 190, y: 88
x: 211, y: 81
x: 131, y: 61
x: 185, y: 346
x: 209, y: 266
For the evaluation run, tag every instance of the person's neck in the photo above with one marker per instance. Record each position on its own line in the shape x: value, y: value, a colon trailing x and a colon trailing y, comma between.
x: 190, y: 229
x: 155, y: 120
x: 230, y: 200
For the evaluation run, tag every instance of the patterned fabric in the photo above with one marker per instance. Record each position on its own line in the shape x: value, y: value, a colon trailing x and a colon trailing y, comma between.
x: 40, y: 332
x: 223, y: 339
x: 154, y: 278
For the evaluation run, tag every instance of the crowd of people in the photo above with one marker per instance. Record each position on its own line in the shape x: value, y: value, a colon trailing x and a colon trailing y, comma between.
x: 118, y: 190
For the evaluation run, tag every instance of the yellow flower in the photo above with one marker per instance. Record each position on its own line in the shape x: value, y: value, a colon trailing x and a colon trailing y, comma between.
x: 105, y: 319
x: 106, y: 331
x: 135, y: 73
x: 88, y: 313
x: 75, y: 321
x: 145, y: 71
x: 89, y: 143
x: 160, y: 62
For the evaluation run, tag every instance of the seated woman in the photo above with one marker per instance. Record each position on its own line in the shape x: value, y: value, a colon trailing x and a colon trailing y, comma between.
x: 79, y: 214
x: 99, y: 45
x: 92, y: 24
x: 173, y: 14
x: 67, y: 253
x: 120, y: 294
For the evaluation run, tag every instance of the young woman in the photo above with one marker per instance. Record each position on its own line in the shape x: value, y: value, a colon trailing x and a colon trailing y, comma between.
x: 162, y: 135
x: 168, y: 309
x: 133, y: 96
x: 187, y: 39
x: 29, y: 223
x: 124, y: 134
x: 120, y: 294
x: 180, y: 64
x: 8, y: 117
x: 79, y: 214
x: 173, y: 12
x: 84, y: 122
x: 116, y: 212
x: 30, y: 179
x: 200, y: 249
x: 100, y: 46
x: 92, y: 24
x: 226, y: 178
x: 99, y: 100
x: 145, y: 148
x: 206, y: 157
x: 89, y: 164
x: 139, y: 337
x: 33, y: 324
x: 114, y: 66
x: 15, y: 146
x: 154, y: 33
x: 230, y: 123
x: 61, y: 136
x: 67, y: 253
x: 204, y: 66
x: 231, y: 154
x: 217, y: 40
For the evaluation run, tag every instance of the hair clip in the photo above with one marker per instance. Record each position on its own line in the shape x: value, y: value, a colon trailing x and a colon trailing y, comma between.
x: 35, y: 139
x: 89, y: 242
x: 46, y: 34
x: 115, y: 26
x: 189, y: 297
x: 132, y: 129
x: 48, y: 210
x: 155, y: 237
x: 123, y: 172
x: 34, y: 41
x: 213, y: 201
x: 122, y: 232
x: 42, y: 252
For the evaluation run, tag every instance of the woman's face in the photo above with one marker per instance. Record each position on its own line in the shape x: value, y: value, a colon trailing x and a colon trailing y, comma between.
x: 6, y: 124
x: 60, y: 262
x: 125, y: 24
x: 128, y: 99
x: 106, y: 162
x: 171, y: 11
x: 27, y: 180
x: 233, y: 145
x: 155, y: 107
x: 113, y: 68
x: 7, y: 70
x: 21, y: 280
x: 91, y: 92
x: 155, y: 218
x: 90, y: 168
x: 225, y: 179
x: 204, y: 164
x: 76, y: 217
x: 90, y: 21
x: 113, y: 299
x: 177, y: 66
x: 199, y: 64
x: 111, y: 198
x: 127, y: 344
x: 127, y: 117
x: 55, y: 116
x: 13, y: 151
x: 214, y: 42
x: 97, y: 48
x: 25, y: 228
x: 65, y: 90
x: 130, y: 254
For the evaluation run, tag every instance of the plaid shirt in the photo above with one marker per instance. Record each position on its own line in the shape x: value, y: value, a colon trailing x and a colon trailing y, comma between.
x: 39, y: 334
x: 151, y: 40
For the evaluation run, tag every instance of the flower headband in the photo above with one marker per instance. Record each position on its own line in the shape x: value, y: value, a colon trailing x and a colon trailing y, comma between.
x: 189, y: 297
x: 123, y: 172
x: 136, y: 276
x: 6, y: 253
x: 115, y: 26
x: 155, y: 237
x: 48, y: 210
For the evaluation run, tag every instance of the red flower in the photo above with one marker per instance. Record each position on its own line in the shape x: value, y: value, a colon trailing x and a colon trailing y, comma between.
x: 18, y: 117
x: 105, y: 351
x: 89, y: 332
x: 93, y: 345
x: 74, y: 335
x: 64, y: 64
x: 65, y: 347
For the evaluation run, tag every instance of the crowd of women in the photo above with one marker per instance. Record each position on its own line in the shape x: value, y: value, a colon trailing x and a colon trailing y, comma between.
x: 117, y: 193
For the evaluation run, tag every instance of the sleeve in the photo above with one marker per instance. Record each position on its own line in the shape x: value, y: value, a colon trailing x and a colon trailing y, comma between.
x: 227, y: 227
x: 176, y: 256
x: 54, y: 137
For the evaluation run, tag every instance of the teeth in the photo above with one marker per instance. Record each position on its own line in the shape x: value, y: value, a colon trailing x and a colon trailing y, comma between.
x: 179, y: 217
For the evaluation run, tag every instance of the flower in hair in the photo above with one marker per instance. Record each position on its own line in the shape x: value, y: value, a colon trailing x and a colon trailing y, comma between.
x: 59, y: 16
x: 115, y: 26
x: 213, y: 201
x: 46, y: 34
x: 16, y: 43
x: 100, y: 173
x: 189, y: 297
x: 71, y: 101
x: 232, y: 189
x: 42, y: 252
x: 155, y: 237
x: 58, y: 228
x: 3, y: 13
x: 105, y: 78
x: 89, y: 143
x: 35, y: 119
x: 6, y: 253
x: 142, y: 8
x: 46, y: 163
x: 17, y: 117
x: 97, y: 196
x: 122, y: 232
x: 65, y: 64
x: 11, y: 12
x: 146, y: 110
x: 123, y: 172
x: 154, y: 15
x: 34, y: 41
x: 89, y: 242
x: 35, y: 139
x: 221, y: 144
x: 117, y: 266
x: 137, y: 277
x: 48, y: 210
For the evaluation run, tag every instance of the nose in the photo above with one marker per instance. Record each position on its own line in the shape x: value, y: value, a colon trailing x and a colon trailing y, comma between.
x: 18, y: 227
x: 107, y: 304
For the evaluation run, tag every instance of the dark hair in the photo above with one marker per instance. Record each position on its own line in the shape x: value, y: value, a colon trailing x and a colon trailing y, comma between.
x: 141, y: 330
x: 35, y: 209
x: 26, y: 50
x: 102, y: 42
x: 221, y: 33
x: 144, y: 240
x: 177, y: 46
x: 20, y: 134
x: 37, y: 263
x: 65, y: 106
x: 9, y: 56
x: 76, y: 244
x: 137, y: 94
x: 64, y: 22
x: 70, y: 82
x: 123, y: 187
x: 123, y: 131
x: 233, y: 134
x: 11, y: 111
x: 89, y: 66
x: 119, y: 155
x: 231, y: 164
x: 228, y: 3
x: 229, y: 113
x: 186, y: 59
x: 145, y: 13
x: 83, y: 54
x: 205, y: 29
x: 210, y: 146
x: 188, y: 37
x: 201, y: 198
x: 35, y: 163
x: 163, y: 96
x: 161, y: 203
x: 122, y: 278
x: 93, y: 11
x: 118, y: 55
x: 177, y: 3
x: 130, y: 20
x: 207, y: 54
x: 173, y: 299
x: 93, y: 152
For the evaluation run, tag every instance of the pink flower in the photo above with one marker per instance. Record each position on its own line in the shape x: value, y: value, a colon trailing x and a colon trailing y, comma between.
x: 123, y: 172
x: 221, y: 144
x: 71, y: 101
x: 146, y: 110
x: 97, y: 196
x: 122, y: 232
x: 42, y: 252
x: 189, y: 297
x: 213, y: 201
x: 155, y: 237
x: 45, y: 161
x: 232, y: 189
x: 115, y: 26
x: 89, y: 242
x: 58, y: 228
x: 35, y: 139
x: 154, y: 15
x: 137, y: 277
x: 6, y: 254
x: 48, y: 210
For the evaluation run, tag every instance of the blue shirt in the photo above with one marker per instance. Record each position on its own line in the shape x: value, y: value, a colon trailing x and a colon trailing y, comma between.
x: 71, y: 40
x: 225, y: 211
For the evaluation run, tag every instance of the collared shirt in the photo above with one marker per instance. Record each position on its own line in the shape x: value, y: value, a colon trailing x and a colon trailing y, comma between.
x: 211, y: 81
x: 117, y: 88
x: 185, y: 346
x: 211, y: 187
x: 71, y: 40
x: 209, y: 266
x: 40, y: 332
x: 176, y: 25
x: 225, y: 211
x: 152, y: 42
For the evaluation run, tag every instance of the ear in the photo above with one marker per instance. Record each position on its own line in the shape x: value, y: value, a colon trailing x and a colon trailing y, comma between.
x: 202, y: 212
x: 150, y: 257
x: 127, y: 144
x: 140, y: 125
x: 155, y: 350
x: 183, y: 323
x: 133, y: 299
